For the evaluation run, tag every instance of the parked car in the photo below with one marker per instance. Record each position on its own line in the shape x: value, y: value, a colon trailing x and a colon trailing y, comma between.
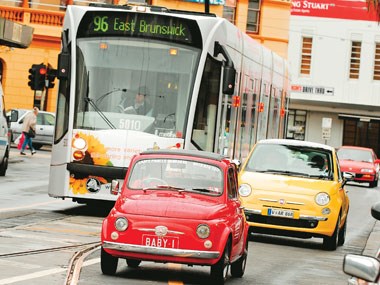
x: 295, y: 188
x: 4, y: 136
x: 364, y: 269
x: 44, y: 128
x: 178, y: 206
x: 362, y: 162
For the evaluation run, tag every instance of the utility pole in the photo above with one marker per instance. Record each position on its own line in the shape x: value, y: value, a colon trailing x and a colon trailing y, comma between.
x: 207, y: 6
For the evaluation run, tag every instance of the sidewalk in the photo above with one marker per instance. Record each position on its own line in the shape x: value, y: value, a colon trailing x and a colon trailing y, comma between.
x: 373, y: 242
x: 14, y: 156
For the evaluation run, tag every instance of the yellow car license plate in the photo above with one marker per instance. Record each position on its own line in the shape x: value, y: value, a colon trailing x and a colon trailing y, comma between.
x: 281, y: 213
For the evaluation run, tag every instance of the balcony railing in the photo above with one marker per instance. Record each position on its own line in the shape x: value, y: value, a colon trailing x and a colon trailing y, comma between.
x: 32, y: 16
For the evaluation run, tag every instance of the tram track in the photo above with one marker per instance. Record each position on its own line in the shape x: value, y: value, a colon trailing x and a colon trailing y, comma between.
x: 52, y: 249
x: 76, y: 262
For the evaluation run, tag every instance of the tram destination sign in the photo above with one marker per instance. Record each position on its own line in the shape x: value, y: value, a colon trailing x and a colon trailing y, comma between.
x: 130, y: 24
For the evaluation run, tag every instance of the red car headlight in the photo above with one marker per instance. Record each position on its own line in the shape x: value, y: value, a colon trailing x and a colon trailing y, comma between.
x: 203, y: 231
x: 121, y: 224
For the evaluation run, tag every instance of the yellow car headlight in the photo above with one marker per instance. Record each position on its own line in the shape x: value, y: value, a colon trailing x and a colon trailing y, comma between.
x: 322, y: 199
x: 245, y: 190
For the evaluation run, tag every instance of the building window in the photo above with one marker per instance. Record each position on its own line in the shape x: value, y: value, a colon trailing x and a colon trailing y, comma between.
x: 356, y: 49
x: 307, y: 45
x: 296, y: 125
x: 253, y: 16
x: 229, y: 11
x: 376, y: 66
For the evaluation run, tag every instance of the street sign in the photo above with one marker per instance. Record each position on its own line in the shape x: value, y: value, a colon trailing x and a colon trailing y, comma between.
x: 13, y: 34
x: 326, y: 123
x: 326, y: 128
x: 326, y: 133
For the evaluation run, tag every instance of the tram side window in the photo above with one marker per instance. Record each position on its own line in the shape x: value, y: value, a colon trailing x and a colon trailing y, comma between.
x: 204, y: 126
x: 62, y: 112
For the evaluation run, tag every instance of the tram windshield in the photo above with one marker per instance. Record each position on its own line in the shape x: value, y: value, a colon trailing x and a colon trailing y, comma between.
x: 117, y: 75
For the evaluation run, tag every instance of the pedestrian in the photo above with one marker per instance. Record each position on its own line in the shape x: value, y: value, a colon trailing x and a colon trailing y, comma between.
x: 29, y: 130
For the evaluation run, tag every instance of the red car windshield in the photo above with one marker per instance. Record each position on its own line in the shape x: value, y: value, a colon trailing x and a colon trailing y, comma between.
x: 176, y: 174
x: 355, y: 154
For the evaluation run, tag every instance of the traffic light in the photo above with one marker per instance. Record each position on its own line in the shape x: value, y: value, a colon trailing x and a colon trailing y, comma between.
x: 37, y: 76
x: 32, y: 76
x: 41, y: 77
x: 51, y: 75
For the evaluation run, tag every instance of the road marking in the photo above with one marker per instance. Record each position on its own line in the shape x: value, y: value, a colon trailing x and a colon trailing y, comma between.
x: 31, y: 276
x: 174, y: 266
x: 29, y: 206
x: 66, y: 231
x: 59, y: 270
x: 17, y: 264
x: 43, y: 273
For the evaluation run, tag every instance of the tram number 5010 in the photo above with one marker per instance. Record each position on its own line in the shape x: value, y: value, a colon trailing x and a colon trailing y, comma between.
x: 128, y: 124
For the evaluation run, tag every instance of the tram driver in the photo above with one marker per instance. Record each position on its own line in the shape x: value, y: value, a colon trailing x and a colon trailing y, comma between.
x: 139, y: 106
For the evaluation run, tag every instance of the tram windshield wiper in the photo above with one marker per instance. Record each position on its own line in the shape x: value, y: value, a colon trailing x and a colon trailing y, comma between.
x: 101, y: 114
x: 87, y: 99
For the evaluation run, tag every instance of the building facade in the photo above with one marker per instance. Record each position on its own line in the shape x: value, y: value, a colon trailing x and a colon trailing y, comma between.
x: 264, y: 20
x: 334, y: 54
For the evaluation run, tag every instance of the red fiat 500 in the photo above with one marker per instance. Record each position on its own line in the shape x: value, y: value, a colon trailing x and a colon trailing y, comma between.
x: 178, y: 206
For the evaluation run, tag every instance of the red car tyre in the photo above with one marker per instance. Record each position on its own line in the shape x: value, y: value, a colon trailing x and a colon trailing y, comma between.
x: 238, y: 267
x: 219, y: 271
x: 108, y: 263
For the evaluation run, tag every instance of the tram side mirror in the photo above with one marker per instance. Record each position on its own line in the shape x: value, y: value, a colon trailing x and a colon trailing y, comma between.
x: 63, y: 69
x: 229, y: 71
x: 63, y: 66
x: 229, y: 74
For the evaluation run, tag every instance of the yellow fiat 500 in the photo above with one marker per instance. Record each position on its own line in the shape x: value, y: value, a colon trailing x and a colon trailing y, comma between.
x: 295, y: 188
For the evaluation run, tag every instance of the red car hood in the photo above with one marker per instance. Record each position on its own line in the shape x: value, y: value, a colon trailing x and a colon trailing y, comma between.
x: 172, y: 205
x: 354, y: 166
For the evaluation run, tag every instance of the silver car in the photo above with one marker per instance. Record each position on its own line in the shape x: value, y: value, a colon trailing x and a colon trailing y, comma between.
x: 44, y: 128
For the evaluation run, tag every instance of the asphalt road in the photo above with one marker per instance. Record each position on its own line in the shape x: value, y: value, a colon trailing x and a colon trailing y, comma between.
x: 31, y: 222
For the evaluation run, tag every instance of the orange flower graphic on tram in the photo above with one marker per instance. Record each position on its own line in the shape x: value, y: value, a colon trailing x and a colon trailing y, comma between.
x: 88, y: 149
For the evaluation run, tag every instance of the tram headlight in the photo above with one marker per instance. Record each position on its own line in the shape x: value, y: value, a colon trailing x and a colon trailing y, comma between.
x: 121, y: 224
x: 79, y: 143
x: 78, y: 155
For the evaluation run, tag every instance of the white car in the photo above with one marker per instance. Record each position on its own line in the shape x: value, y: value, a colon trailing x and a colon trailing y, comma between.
x: 4, y: 137
x: 44, y: 128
